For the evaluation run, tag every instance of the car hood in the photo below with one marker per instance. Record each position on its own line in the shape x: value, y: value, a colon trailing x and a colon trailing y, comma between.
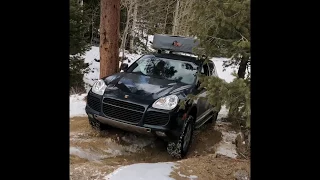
x: 140, y: 87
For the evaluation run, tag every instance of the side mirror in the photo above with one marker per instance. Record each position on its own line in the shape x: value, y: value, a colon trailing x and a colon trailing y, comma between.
x: 124, y: 66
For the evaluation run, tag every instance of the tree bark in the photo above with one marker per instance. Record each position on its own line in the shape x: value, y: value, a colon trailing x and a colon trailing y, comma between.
x: 175, y: 19
x: 125, y: 32
x: 165, y: 20
x: 109, y: 34
x: 242, y: 67
x: 92, y: 27
x: 134, y: 22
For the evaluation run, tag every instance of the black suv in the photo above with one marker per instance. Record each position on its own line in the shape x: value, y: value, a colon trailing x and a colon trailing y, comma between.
x: 145, y: 97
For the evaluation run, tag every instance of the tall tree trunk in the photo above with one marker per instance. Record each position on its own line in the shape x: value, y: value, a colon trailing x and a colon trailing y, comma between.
x: 175, y: 19
x: 134, y: 22
x: 242, y: 67
x: 125, y: 32
x: 92, y: 26
x: 165, y: 20
x: 109, y: 34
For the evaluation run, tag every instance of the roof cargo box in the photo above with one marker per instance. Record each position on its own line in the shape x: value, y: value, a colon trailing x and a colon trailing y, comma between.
x: 174, y: 43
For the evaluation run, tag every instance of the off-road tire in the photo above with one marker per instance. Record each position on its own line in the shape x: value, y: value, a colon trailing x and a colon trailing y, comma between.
x: 175, y: 149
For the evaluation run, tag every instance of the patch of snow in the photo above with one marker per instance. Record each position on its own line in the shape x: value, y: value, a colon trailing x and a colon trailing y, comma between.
x: 226, y: 75
x: 77, y: 105
x: 150, y: 39
x: 191, y: 177
x: 223, y: 113
x: 94, y: 73
x: 226, y: 147
x: 92, y: 54
x: 142, y: 171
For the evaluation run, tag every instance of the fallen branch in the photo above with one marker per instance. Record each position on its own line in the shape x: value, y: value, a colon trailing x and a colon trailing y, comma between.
x: 243, y: 155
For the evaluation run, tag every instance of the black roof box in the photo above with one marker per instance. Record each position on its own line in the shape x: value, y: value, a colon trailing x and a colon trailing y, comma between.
x: 174, y: 43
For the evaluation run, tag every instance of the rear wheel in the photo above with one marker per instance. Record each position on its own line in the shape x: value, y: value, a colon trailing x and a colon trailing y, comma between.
x: 179, y: 149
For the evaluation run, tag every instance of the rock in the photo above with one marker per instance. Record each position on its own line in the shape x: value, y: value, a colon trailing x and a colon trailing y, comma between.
x: 241, y: 175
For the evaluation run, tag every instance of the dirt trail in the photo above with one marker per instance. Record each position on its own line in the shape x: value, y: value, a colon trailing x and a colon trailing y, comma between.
x: 95, y: 154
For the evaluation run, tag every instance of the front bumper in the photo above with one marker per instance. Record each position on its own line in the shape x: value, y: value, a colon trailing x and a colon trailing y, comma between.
x: 122, y: 125
x: 169, y: 131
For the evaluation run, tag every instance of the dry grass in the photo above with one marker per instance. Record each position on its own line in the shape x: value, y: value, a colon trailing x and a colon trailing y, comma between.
x: 210, y: 168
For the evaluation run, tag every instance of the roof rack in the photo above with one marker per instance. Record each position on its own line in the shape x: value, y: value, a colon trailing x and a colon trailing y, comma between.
x: 178, y: 44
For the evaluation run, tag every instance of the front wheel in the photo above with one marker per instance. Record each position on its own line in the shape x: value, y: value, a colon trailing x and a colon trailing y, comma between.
x: 95, y: 124
x: 179, y: 149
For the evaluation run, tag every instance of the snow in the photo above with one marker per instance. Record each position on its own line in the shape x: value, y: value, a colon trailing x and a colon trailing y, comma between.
x: 223, y: 113
x: 94, y: 73
x: 191, y: 177
x: 226, y: 75
x: 143, y: 171
x: 77, y: 105
x: 225, y: 146
x: 150, y: 39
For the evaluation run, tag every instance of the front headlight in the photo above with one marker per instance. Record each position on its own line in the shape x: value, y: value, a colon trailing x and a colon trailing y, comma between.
x: 99, y: 87
x: 167, y: 103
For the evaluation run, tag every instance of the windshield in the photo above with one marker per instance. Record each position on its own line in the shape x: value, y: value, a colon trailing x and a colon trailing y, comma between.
x: 170, y: 69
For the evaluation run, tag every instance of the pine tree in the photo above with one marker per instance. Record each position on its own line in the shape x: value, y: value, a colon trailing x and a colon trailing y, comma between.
x: 223, y: 27
x: 78, y: 28
x: 92, y: 9
x: 78, y: 45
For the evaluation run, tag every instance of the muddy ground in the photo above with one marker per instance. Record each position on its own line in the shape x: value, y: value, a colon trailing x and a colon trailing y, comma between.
x: 95, y: 154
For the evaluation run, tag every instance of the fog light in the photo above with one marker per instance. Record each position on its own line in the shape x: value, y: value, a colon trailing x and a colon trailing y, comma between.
x: 90, y: 115
x: 162, y: 134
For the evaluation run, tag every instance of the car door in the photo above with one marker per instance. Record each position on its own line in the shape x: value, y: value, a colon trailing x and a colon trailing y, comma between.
x: 203, y: 106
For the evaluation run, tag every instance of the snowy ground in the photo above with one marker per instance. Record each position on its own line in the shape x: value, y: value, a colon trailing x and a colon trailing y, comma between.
x: 155, y: 171
x: 138, y: 171
x: 77, y: 105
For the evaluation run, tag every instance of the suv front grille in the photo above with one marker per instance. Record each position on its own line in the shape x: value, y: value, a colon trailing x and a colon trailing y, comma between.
x: 94, y: 103
x: 123, y: 104
x: 156, y: 118
x: 122, y: 110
